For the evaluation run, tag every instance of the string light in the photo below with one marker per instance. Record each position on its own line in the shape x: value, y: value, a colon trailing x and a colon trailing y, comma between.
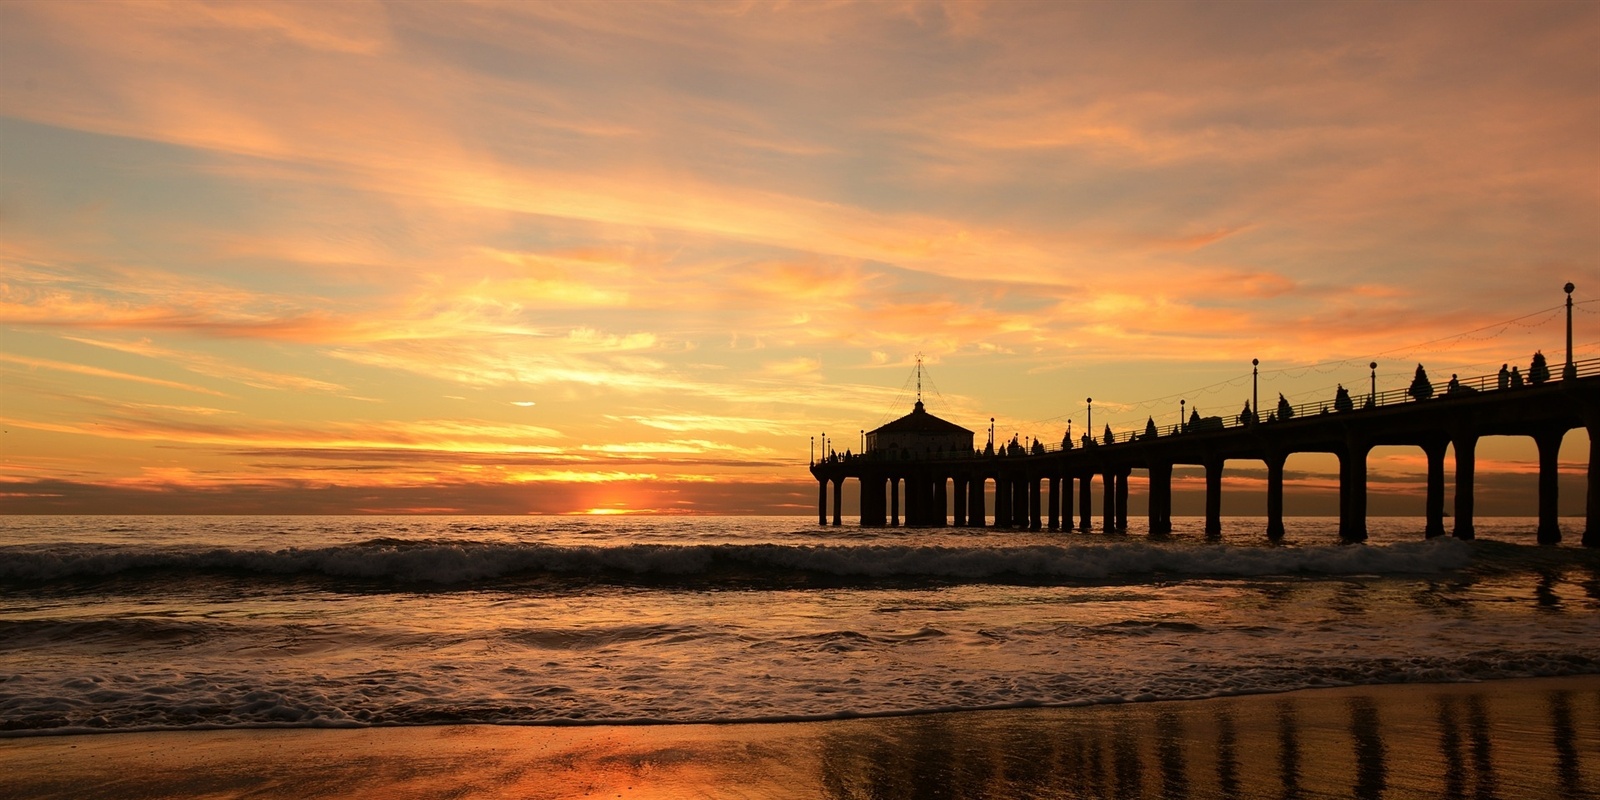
x: 1126, y: 411
x: 1530, y: 321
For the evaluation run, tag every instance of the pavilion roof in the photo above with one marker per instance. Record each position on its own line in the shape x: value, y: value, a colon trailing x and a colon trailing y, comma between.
x: 920, y: 421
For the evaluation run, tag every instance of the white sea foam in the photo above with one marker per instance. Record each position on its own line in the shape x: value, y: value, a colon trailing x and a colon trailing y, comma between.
x: 466, y: 563
x: 204, y: 624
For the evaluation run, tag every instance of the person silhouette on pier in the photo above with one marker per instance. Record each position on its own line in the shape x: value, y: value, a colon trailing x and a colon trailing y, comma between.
x: 1505, y: 377
x: 1341, y: 399
x: 1516, y: 378
x: 1538, y: 371
x: 1421, y: 388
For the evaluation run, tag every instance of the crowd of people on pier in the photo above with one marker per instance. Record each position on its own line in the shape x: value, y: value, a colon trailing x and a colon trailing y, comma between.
x: 1421, y: 388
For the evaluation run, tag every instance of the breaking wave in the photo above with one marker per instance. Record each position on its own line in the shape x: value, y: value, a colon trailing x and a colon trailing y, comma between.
x: 466, y: 564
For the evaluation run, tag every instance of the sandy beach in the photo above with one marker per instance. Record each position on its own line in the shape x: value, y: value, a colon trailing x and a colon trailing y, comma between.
x: 1509, y: 739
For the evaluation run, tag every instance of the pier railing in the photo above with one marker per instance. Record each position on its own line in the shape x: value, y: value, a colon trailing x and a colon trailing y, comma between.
x: 1443, y: 392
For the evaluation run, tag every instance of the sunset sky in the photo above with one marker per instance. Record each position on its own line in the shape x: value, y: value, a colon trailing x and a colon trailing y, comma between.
x: 553, y: 258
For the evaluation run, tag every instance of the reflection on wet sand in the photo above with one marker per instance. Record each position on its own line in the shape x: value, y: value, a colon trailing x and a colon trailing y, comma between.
x: 1368, y: 735
x: 1288, y: 750
x: 1169, y: 743
x: 1476, y: 770
x: 1565, y: 741
x: 1227, y: 758
x: 1508, y: 740
x: 1482, y: 755
x: 1458, y: 743
x: 1450, y: 747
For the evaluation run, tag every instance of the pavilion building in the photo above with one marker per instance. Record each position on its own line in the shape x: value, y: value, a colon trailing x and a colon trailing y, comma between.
x: 917, y: 436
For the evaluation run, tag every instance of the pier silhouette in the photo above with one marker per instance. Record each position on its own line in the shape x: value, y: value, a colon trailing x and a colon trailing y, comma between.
x: 945, y: 481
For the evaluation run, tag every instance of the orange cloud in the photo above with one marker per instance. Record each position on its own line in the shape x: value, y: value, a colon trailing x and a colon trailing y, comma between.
x: 98, y: 372
x: 215, y: 367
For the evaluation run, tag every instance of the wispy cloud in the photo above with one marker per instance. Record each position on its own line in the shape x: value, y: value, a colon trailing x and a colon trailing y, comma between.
x: 99, y: 372
x: 214, y: 366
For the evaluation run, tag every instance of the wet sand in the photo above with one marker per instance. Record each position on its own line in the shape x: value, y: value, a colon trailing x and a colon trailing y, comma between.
x: 1509, y: 739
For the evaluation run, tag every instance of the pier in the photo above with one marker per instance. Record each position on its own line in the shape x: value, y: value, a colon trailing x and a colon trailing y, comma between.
x: 1041, y: 487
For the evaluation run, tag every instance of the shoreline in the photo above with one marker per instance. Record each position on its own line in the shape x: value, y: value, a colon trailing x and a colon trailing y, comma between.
x: 1526, y: 737
x: 1073, y: 705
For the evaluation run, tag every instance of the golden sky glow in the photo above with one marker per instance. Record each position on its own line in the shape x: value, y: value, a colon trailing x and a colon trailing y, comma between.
x: 515, y: 257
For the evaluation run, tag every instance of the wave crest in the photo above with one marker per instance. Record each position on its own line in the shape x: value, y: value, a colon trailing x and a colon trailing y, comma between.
x: 472, y: 563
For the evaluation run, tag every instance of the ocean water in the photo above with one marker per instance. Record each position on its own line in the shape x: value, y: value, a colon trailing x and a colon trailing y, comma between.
x: 146, y: 623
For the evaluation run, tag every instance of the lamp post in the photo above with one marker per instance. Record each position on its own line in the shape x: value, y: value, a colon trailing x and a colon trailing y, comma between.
x: 1089, y: 401
x: 1255, y: 388
x: 991, y: 434
x: 1570, y: 371
x: 1183, y: 419
x: 1374, y: 395
x: 813, y: 451
x: 863, y: 442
